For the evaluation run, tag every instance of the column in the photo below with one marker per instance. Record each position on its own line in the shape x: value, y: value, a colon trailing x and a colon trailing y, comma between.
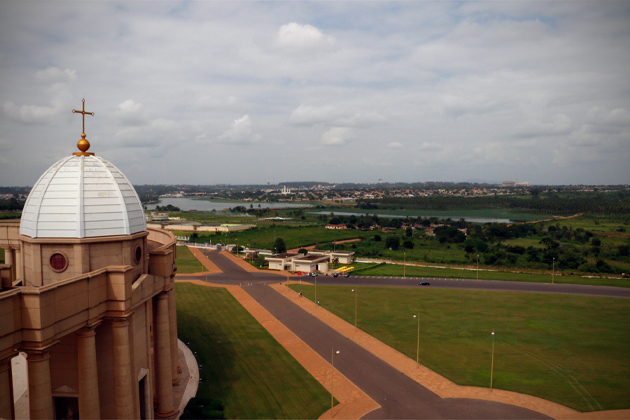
x: 18, y: 265
x: 163, y: 361
x: 123, y: 376
x: 89, y: 402
x: 39, y: 385
x: 6, y: 389
x: 172, y: 315
x: 8, y: 259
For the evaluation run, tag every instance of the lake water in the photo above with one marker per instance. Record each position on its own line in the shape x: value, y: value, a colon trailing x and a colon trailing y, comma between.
x: 396, y: 216
x: 187, y: 204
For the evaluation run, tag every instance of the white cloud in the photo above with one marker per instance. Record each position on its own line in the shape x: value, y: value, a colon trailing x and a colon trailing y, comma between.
x: 294, y: 36
x: 430, y: 147
x: 337, y: 136
x: 560, y: 124
x: 311, y: 115
x: 206, y: 103
x: 56, y: 75
x: 395, y: 145
x: 240, y: 132
x: 131, y: 112
x: 33, y: 113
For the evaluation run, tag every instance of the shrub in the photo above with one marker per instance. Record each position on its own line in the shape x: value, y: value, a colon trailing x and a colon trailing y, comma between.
x: 392, y: 242
x: 377, y: 238
x: 408, y: 244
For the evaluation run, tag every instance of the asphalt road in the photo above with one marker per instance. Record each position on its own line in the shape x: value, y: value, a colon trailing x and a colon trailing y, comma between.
x: 400, y: 397
x: 233, y: 274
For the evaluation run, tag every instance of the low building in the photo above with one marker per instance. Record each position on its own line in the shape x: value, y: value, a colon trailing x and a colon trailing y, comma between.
x: 315, y: 260
x: 340, y: 226
x: 310, y: 263
x: 282, y: 261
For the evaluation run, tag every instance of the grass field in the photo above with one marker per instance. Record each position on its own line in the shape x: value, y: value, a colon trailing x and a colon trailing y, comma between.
x: 574, y: 350
x: 186, y: 262
x: 242, y: 364
x: 415, y: 271
x: 263, y: 237
x: 1, y: 256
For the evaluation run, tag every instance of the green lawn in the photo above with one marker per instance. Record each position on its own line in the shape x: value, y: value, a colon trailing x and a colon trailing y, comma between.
x: 242, y: 364
x: 415, y: 271
x: 263, y: 237
x: 574, y: 350
x: 1, y: 255
x: 186, y: 261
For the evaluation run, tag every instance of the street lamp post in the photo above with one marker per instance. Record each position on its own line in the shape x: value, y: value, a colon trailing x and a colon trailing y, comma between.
x: 332, y: 376
x: 356, y: 297
x: 418, y: 344
x: 477, y: 266
x: 316, y: 301
x: 492, y: 363
x: 553, y: 273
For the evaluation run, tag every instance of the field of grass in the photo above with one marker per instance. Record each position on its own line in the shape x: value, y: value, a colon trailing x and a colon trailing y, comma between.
x: 242, y: 364
x: 186, y: 262
x: 574, y: 350
x: 263, y: 237
x: 396, y: 270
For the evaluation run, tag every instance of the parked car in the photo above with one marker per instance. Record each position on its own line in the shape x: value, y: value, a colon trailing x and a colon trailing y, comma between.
x: 335, y: 274
x: 425, y: 283
x: 346, y: 274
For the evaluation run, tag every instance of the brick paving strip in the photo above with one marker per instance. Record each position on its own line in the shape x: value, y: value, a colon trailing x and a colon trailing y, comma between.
x: 353, y: 403
x: 433, y: 381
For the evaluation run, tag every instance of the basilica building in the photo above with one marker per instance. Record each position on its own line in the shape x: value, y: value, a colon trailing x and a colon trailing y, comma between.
x: 87, y: 295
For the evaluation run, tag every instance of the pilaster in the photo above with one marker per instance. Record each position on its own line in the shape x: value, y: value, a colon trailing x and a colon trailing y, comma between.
x: 163, y: 361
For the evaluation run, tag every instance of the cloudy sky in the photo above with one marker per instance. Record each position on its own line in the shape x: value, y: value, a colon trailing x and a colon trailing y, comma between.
x: 265, y: 91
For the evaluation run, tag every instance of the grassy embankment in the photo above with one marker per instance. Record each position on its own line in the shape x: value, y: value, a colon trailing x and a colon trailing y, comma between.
x: 573, y: 350
x: 242, y: 364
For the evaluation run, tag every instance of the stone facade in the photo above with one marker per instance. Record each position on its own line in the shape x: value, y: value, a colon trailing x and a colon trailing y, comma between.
x: 98, y: 325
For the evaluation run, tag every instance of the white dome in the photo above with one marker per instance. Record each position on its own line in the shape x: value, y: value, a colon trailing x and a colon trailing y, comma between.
x: 82, y: 197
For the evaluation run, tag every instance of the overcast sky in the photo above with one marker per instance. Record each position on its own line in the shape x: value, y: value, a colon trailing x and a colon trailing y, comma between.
x: 255, y: 92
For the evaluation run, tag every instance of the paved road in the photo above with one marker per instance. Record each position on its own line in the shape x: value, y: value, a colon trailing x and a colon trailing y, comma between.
x: 232, y: 274
x: 510, y: 286
x: 400, y: 397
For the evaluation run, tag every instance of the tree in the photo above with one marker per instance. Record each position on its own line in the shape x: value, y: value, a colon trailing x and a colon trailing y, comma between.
x: 408, y: 231
x: 279, y: 246
x: 377, y: 238
x: 596, y: 242
x: 392, y: 242
x: 302, y: 251
x: 335, y: 221
x: 408, y: 244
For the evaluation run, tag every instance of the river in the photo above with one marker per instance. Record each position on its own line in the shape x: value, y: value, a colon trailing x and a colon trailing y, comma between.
x: 187, y: 204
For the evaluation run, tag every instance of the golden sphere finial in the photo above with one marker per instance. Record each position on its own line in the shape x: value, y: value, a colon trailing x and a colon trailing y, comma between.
x: 83, y: 144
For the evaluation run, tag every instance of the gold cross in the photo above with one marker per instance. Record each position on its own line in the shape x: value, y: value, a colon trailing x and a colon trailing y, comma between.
x: 74, y: 111
x: 83, y: 144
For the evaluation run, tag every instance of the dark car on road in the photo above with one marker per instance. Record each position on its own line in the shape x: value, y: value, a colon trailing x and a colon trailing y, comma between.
x: 425, y: 283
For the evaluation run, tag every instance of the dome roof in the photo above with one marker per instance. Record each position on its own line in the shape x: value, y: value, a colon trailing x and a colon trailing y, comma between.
x: 82, y: 197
